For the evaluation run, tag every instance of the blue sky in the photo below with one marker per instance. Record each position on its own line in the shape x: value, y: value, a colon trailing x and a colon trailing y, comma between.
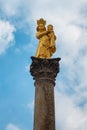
x: 18, y: 43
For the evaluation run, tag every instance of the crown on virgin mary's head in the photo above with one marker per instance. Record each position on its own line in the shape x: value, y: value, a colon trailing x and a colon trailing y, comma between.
x: 41, y: 21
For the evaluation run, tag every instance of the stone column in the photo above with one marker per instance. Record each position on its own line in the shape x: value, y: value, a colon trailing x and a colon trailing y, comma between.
x: 44, y: 72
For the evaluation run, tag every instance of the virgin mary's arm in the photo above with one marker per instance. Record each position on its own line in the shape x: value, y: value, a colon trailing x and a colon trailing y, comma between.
x: 40, y: 34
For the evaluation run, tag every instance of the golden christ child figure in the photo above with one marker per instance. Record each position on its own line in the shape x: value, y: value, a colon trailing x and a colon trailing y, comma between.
x: 52, y: 38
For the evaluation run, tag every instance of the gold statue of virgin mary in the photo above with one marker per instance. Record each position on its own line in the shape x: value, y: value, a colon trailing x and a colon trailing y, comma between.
x: 46, y: 46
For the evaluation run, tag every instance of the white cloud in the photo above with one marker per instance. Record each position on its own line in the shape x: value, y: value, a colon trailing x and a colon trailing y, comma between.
x: 68, y: 115
x: 9, y: 7
x: 71, y: 110
x: 6, y: 35
x: 12, y: 127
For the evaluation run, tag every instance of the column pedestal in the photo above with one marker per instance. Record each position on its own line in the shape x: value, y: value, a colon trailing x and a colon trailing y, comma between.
x: 44, y: 72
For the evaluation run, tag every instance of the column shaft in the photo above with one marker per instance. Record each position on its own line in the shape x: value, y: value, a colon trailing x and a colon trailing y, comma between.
x: 44, y: 114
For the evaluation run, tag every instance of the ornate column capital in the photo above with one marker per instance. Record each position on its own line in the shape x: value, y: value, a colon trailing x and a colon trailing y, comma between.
x: 44, y: 68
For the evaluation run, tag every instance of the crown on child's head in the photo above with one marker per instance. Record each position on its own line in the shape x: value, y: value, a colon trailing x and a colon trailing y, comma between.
x: 41, y: 21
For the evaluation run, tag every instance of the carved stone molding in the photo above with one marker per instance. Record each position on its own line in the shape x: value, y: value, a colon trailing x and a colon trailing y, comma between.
x: 44, y: 68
